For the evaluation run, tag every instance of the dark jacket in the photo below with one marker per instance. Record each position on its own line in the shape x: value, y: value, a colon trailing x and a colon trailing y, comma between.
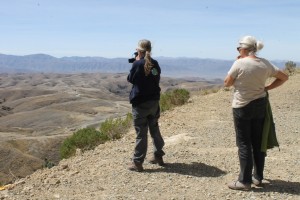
x: 144, y: 88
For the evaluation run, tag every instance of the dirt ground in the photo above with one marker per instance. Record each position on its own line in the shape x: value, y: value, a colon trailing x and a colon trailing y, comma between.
x: 39, y: 110
x: 201, y: 158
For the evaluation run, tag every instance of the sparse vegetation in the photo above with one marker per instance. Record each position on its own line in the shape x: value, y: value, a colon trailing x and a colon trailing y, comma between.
x: 173, y: 98
x: 103, y: 172
x: 89, y: 138
x: 226, y: 89
x: 111, y: 129
x: 115, y: 128
x: 48, y: 164
x: 84, y: 139
x: 290, y: 68
x: 209, y: 91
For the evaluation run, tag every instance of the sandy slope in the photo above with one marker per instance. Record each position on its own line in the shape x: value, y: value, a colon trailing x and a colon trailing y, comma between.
x: 200, y: 152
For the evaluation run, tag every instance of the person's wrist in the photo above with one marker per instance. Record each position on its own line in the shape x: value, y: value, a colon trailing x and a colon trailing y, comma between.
x: 266, y: 88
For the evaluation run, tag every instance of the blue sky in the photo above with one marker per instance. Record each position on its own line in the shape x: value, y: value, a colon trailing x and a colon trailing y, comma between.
x: 177, y: 28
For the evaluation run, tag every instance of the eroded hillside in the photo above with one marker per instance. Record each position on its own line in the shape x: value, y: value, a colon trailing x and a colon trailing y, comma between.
x: 201, y: 158
x: 37, y: 111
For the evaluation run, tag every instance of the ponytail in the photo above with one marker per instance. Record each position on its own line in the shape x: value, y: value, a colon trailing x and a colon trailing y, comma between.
x: 145, y: 47
x: 148, y: 64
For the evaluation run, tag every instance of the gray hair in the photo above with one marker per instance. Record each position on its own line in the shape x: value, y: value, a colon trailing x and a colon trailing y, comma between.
x: 251, y: 44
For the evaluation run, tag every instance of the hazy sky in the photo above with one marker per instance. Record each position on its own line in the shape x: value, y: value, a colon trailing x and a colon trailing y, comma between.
x: 177, y: 28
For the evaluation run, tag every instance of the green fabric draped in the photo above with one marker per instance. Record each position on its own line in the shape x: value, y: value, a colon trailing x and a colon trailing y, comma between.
x: 269, y: 139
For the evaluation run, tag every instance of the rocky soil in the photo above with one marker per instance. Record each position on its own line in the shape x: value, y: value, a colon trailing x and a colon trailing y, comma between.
x: 201, y: 158
x: 39, y: 110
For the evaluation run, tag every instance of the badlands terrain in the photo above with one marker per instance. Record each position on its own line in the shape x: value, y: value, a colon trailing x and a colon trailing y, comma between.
x: 201, y: 158
x: 38, y: 111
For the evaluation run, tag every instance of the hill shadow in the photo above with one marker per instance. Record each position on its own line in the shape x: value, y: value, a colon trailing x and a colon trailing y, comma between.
x: 193, y: 169
x: 279, y: 186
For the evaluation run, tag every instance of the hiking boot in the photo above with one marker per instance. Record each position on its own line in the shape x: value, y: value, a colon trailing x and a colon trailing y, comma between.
x: 157, y: 160
x: 256, y: 182
x: 237, y: 185
x: 135, y: 166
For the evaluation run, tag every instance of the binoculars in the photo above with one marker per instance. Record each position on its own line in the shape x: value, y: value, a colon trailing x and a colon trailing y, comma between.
x: 134, y: 55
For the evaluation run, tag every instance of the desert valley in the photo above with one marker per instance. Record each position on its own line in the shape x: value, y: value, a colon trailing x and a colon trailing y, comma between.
x: 39, y: 110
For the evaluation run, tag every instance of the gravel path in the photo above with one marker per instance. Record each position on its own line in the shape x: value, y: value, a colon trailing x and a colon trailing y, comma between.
x: 201, y: 158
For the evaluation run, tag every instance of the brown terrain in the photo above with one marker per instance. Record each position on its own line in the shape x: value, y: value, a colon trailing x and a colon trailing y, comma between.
x: 201, y: 157
x: 38, y: 111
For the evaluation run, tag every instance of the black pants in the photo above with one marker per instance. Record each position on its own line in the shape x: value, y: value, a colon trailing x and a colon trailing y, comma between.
x: 248, y: 122
x: 145, y: 116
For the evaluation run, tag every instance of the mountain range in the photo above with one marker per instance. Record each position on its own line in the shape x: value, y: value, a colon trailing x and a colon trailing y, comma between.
x: 171, y: 67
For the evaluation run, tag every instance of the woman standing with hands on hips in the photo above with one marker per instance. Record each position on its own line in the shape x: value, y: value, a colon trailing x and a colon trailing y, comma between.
x: 248, y: 76
x: 144, y: 97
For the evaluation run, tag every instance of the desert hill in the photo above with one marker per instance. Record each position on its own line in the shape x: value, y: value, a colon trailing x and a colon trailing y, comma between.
x: 201, y: 158
x: 38, y: 111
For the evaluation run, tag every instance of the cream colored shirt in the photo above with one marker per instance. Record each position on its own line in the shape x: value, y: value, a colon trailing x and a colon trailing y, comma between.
x: 250, y: 76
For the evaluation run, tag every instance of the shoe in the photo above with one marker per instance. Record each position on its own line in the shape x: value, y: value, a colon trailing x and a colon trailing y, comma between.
x: 237, y: 185
x: 135, y: 166
x: 256, y: 181
x: 157, y: 160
